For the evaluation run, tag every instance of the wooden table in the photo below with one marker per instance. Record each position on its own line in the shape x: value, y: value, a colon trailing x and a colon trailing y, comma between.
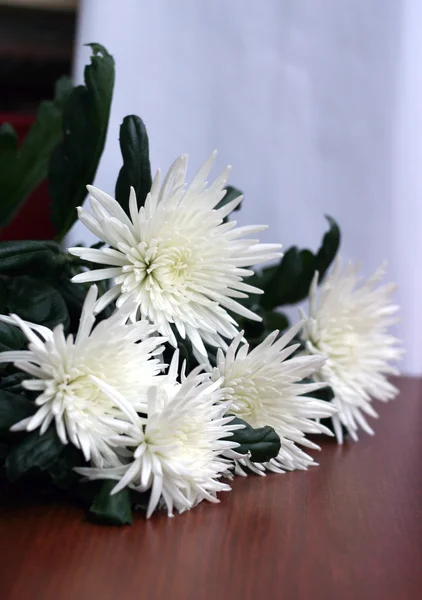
x: 348, y: 529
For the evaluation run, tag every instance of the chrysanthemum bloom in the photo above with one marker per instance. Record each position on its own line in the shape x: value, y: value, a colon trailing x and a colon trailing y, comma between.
x: 349, y: 325
x: 176, y: 256
x: 178, y: 447
x: 267, y: 389
x: 69, y: 373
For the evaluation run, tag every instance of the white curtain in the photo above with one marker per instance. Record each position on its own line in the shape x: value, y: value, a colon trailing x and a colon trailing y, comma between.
x: 316, y: 104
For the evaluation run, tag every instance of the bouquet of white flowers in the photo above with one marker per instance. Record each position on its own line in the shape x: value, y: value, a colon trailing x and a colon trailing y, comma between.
x: 177, y: 369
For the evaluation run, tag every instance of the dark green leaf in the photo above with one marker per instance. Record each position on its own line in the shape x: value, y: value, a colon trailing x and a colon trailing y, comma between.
x: 289, y: 282
x: 257, y: 331
x: 140, y: 500
x: 21, y: 171
x: 62, y: 90
x: 11, y: 338
x: 8, y: 144
x: 13, y: 408
x: 325, y: 393
x: 74, y: 162
x: 3, y: 296
x: 328, y: 249
x: 275, y: 320
x: 35, y: 451
x: 328, y: 423
x: 36, y: 301
x: 62, y: 471
x: 114, y: 510
x: 231, y: 194
x: 30, y: 258
x: 185, y: 352
x: 136, y: 170
x: 12, y: 383
x: 73, y: 293
x: 260, y: 280
x: 262, y: 443
x: 98, y: 245
x: 4, y: 451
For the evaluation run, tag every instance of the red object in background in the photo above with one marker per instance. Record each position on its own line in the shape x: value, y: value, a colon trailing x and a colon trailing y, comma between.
x: 33, y: 220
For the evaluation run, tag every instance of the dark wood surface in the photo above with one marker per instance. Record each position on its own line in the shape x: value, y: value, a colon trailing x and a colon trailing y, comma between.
x: 348, y: 529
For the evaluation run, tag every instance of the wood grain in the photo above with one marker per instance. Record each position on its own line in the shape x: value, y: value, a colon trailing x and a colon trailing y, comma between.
x: 348, y: 529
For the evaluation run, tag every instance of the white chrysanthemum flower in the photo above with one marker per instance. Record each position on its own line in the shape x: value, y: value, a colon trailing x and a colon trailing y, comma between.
x: 70, y: 374
x: 176, y: 256
x: 178, y: 447
x: 267, y: 389
x: 349, y: 325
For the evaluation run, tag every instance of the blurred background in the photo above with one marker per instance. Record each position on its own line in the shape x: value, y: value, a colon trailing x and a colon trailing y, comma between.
x: 317, y: 104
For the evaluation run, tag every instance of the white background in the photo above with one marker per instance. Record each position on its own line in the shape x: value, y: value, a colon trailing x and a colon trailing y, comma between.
x: 316, y: 104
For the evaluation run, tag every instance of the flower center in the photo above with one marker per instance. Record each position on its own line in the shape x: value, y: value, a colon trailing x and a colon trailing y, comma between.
x: 186, y: 442
x: 157, y: 267
x: 81, y: 388
x: 189, y: 436
x: 343, y: 346
x: 78, y: 396
x: 246, y: 400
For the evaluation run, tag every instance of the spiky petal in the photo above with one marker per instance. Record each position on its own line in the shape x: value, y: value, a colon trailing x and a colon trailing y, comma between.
x: 177, y: 448
x: 176, y: 256
x: 70, y: 374
x: 348, y: 323
x: 268, y: 390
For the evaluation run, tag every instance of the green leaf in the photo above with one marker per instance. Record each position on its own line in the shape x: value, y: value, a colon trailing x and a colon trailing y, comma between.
x: 136, y: 170
x: 275, y: 320
x: 13, y: 408
x: 329, y: 248
x: 8, y: 144
x: 98, y: 245
x: 231, y: 194
x: 74, y: 162
x: 257, y: 331
x: 62, y: 471
x: 113, y: 510
x: 262, y: 443
x: 62, y: 89
x: 289, y: 281
x: 11, y: 338
x: 325, y: 393
x: 4, y: 451
x: 73, y: 293
x: 139, y: 500
x: 260, y: 280
x: 12, y: 383
x: 23, y: 169
x: 36, y: 301
x: 30, y: 257
x: 3, y: 296
x: 328, y: 423
x: 35, y: 451
x: 185, y: 351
